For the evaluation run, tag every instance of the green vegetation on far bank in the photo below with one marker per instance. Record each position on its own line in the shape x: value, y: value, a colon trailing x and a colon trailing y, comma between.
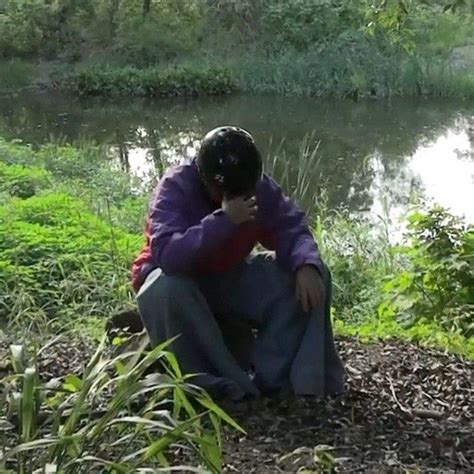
x: 351, y: 48
x: 153, y: 81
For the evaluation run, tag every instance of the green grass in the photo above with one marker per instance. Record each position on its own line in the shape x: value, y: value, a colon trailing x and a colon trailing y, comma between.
x: 356, y: 67
x: 363, y: 70
x: 424, y: 333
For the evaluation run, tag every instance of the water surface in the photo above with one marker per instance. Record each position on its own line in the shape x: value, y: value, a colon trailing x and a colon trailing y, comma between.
x: 372, y: 156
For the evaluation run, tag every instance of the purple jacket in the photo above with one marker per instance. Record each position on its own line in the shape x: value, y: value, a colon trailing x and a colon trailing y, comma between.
x: 187, y: 234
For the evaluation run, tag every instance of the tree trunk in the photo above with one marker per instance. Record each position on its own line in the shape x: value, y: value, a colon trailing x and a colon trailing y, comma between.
x: 146, y: 7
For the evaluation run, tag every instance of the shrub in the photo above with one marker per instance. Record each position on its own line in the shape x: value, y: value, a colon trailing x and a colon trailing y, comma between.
x: 15, y: 74
x: 158, y: 38
x: 21, y: 181
x: 437, y: 284
x: 358, y: 258
x: 62, y: 162
x: 62, y: 260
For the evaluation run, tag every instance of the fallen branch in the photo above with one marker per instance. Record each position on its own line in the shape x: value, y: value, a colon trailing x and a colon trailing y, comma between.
x: 416, y: 412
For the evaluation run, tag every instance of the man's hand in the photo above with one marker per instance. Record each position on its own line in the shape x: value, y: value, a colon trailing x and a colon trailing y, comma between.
x: 309, y: 287
x: 240, y: 209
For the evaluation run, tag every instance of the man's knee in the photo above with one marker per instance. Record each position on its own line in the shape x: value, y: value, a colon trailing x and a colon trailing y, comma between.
x: 171, y: 287
x: 175, y: 286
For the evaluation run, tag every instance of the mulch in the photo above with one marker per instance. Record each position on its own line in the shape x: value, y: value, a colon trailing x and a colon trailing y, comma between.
x: 406, y: 408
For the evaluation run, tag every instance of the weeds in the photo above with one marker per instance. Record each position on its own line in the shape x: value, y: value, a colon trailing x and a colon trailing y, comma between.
x: 112, y: 416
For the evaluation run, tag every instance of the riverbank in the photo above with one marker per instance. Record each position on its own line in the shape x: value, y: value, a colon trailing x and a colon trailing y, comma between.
x: 288, y: 74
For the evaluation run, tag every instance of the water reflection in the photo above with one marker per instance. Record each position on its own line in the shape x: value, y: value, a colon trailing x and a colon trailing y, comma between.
x: 373, y: 156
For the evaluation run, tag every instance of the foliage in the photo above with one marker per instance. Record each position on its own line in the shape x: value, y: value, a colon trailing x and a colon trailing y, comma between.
x: 162, y: 35
x: 347, y: 48
x: 156, y: 81
x: 15, y: 74
x: 65, y: 259
x: 437, y: 283
x: 84, y: 172
x: 37, y: 28
x: 112, y: 416
x: 63, y: 162
x: 384, y: 326
x: 301, y: 24
x: 350, y: 66
x: 358, y: 257
x: 21, y: 181
x: 65, y: 248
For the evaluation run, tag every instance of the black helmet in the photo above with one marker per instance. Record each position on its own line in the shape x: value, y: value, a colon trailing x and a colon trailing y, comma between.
x: 229, y: 159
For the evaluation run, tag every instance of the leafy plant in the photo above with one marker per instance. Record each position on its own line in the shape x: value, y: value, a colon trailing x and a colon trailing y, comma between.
x: 112, y: 416
x: 67, y: 260
x: 437, y: 283
x: 21, y: 181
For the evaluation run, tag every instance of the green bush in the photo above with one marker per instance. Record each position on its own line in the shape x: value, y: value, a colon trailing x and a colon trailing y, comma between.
x: 358, y: 258
x: 15, y: 74
x: 437, y: 284
x: 301, y: 24
x: 62, y: 259
x: 62, y: 162
x: 21, y: 27
x: 85, y: 173
x: 21, y: 181
x: 156, y: 38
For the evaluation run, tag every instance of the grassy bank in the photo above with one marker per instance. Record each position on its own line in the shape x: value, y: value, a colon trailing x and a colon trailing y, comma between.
x: 347, y: 49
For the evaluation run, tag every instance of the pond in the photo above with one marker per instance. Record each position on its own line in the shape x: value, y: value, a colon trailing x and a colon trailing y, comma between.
x: 368, y: 156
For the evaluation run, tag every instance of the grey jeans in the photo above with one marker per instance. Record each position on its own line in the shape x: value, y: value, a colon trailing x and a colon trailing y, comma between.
x: 292, y: 351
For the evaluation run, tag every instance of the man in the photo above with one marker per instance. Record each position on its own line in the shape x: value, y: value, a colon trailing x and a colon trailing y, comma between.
x: 196, y: 276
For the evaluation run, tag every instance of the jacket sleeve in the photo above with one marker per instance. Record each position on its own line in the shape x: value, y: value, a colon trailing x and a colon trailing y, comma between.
x: 286, y: 229
x: 175, y: 244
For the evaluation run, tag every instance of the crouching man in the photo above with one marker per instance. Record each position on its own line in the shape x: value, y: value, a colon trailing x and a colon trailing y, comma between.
x: 197, y: 277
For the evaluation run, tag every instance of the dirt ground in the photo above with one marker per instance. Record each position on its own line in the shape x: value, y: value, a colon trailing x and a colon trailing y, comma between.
x: 406, y: 409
